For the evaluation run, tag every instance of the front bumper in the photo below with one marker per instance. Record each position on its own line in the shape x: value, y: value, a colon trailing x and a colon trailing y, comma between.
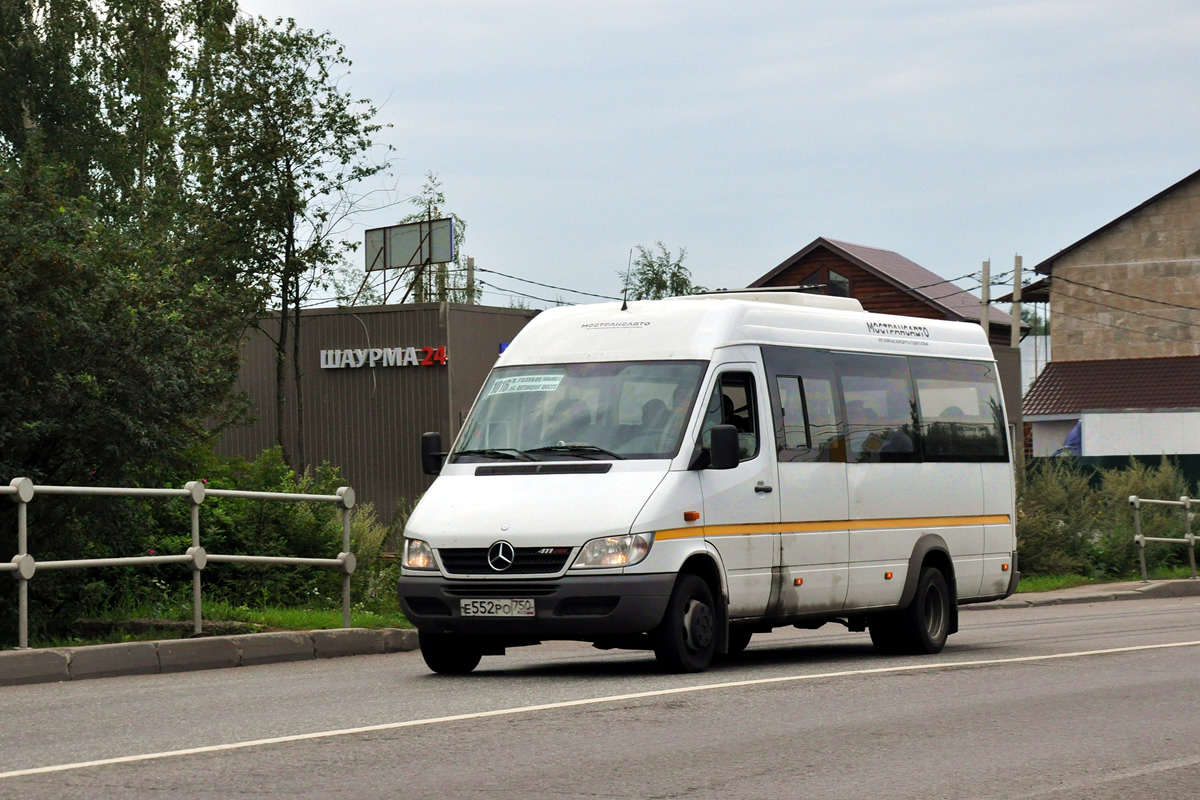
x: 584, y: 608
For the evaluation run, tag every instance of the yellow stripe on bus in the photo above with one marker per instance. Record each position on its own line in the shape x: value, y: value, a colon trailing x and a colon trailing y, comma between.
x: 831, y: 525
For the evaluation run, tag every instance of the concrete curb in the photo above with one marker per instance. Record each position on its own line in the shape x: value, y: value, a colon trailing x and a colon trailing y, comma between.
x: 179, y: 655
x: 1149, y: 591
x: 221, y: 652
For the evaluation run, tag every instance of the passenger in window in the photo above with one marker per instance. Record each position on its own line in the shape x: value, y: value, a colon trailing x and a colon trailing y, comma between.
x: 728, y: 416
x: 654, y: 415
x: 570, y: 421
x: 897, y: 441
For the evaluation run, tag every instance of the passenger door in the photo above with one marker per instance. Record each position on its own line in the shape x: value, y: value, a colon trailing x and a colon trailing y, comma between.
x: 741, y: 508
x: 810, y: 443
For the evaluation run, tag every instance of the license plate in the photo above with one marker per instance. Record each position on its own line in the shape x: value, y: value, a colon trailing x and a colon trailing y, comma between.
x: 519, y: 607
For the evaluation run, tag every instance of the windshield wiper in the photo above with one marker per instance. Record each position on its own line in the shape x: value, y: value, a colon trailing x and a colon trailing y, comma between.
x: 576, y: 450
x: 496, y: 452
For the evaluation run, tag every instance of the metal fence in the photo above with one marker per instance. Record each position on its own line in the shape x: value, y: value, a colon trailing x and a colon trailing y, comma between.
x: 1188, y: 539
x: 24, y: 566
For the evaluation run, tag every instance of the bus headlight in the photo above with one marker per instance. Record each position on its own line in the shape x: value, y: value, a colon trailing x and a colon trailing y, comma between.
x: 614, y: 551
x: 418, y: 555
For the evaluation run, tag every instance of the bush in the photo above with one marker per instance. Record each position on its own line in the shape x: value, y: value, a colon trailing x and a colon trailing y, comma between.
x: 1057, y: 515
x: 1073, y: 519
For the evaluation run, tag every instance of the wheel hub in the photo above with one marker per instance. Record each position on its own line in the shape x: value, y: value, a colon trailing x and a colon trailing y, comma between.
x: 698, y: 625
x: 934, y: 612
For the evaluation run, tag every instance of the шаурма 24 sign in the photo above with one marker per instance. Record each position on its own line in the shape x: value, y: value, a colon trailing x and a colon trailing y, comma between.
x: 383, y: 357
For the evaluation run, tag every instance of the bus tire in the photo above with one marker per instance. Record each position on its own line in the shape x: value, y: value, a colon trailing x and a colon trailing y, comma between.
x: 739, y: 638
x: 920, y: 629
x: 885, y: 634
x: 686, y: 638
x: 449, y: 655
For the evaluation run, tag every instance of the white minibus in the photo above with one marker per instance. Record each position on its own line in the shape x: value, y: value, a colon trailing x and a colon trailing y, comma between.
x: 678, y: 475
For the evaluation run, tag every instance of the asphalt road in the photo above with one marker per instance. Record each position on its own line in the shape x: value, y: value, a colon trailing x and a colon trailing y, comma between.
x: 1023, y: 703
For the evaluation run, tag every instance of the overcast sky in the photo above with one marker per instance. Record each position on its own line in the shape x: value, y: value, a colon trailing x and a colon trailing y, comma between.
x: 565, y: 133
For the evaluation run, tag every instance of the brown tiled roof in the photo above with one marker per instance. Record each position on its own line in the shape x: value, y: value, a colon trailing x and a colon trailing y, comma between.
x: 929, y: 287
x: 1068, y: 387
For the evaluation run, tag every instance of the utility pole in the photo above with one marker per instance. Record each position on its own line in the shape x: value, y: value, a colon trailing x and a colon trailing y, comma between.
x: 985, y: 312
x: 471, y: 280
x: 1018, y: 455
x: 1016, y: 305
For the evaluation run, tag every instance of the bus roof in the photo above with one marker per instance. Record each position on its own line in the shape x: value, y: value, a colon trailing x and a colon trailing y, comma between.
x: 694, y: 327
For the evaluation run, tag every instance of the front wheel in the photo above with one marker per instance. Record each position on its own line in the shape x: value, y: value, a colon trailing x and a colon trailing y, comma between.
x: 449, y: 655
x: 687, y: 637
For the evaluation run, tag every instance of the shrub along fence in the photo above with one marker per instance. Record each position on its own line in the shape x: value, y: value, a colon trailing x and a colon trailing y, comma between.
x: 1188, y: 539
x: 1075, y: 519
x: 24, y: 566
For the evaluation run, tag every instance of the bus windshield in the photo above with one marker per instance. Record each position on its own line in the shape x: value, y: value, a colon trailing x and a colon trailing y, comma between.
x: 609, y: 410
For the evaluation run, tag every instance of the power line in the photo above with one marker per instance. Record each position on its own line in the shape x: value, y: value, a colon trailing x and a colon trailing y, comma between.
x: 910, y: 289
x: 547, y: 285
x: 1125, y: 310
x: 1054, y: 278
x: 522, y: 294
x: 1123, y: 328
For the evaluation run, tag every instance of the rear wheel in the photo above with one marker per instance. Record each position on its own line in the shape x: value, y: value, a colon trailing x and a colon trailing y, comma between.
x: 686, y: 638
x: 921, y: 628
x: 449, y: 655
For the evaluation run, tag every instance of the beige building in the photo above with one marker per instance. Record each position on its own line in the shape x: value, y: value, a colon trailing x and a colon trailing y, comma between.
x: 1124, y: 324
x: 1132, y: 288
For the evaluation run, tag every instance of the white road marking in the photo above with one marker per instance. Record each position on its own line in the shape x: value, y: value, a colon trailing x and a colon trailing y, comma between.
x: 616, y: 698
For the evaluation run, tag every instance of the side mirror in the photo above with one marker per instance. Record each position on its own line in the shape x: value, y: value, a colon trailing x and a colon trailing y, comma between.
x: 723, y: 451
x: 431, y: 453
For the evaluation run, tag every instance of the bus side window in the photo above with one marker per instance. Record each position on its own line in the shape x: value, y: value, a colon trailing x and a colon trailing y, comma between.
x: 794, y: 419
x: 804, y: 405
x: 961, y: 416
x: 881, y: 419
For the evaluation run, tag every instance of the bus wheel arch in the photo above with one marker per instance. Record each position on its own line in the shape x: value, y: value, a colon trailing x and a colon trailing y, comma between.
x: 928, y: 608
x: 931, y: 550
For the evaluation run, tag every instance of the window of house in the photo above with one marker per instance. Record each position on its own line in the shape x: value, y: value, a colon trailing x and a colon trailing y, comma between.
x: 813, y: 283
x: 837, y: 285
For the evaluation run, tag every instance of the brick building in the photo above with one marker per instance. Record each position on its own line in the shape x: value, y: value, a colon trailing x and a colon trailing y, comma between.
x: 1125, y: 316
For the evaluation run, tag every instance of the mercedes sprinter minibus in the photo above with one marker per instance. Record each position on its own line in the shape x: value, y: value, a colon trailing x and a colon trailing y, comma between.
x: 678, y: 475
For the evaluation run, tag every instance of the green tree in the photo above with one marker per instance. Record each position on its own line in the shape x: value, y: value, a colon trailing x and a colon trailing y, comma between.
x: 653, y: 276
x: 1038, y: 325
x: 109, y: 362
x: 278, y: 150
x: 50, y: 52
x: 444, y: 282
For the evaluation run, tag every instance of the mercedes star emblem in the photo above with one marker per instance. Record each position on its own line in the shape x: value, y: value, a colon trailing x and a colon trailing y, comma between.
x: 501, y: 556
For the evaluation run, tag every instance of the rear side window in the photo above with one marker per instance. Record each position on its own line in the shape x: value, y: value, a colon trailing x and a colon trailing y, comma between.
x: 881, y: 408
x: 961, y: 416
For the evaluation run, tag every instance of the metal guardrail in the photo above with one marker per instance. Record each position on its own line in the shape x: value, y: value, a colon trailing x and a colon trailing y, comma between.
x: 1188, y: 539
x: 22, y: 492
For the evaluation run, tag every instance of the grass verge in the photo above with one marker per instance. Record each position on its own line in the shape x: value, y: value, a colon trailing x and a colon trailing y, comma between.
x: 220, y: 618
x: 1048, y: 583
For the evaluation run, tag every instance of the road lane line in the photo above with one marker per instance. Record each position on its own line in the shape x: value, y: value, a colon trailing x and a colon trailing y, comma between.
x: 616, y: 698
